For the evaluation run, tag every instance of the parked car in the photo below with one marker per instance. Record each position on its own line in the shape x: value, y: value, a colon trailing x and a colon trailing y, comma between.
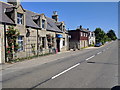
x: 98, y: 44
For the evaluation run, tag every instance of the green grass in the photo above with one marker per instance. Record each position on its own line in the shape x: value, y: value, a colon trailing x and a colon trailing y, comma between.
x: 84, y: 47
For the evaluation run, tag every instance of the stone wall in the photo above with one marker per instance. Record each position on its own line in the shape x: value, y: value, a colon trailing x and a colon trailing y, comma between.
x: 2, y: 51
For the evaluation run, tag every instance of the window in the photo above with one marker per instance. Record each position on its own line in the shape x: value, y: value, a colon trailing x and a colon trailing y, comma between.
x: 84, y: 34
x: 20, y: 43
x: 43, y: 23
x: 92, y: 35
x: 63, y: 28
x: 81, y: 34
x: 19, y: 18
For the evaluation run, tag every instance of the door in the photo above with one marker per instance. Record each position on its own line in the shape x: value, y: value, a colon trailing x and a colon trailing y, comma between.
x: 58, y: 44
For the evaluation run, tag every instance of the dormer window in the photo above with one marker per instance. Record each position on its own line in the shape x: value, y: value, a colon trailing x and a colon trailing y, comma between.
x: 63, y: 28
x: 36, y: 19
x: 19, y: 18
x: 43, y: 23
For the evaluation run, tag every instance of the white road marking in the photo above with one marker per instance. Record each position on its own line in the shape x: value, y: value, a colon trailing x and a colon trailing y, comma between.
x: 99, y: 53
x: 65, y: 71
x: 90, y: 57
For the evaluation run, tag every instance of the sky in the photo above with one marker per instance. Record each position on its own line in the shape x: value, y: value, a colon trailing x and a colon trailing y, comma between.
x: 90, y: 15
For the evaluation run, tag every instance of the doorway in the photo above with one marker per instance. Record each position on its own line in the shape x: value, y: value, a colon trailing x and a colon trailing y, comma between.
x: 58, y: 44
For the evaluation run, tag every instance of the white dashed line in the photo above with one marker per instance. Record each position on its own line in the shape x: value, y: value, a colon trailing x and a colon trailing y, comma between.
x: 65, y: 71
x: 99, y: 53
x: 74, y: 66
x: 90, y: 57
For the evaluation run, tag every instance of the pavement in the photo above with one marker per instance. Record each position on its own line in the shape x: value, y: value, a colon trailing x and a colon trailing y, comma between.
x: 88, y: 68
x: 42, y: 60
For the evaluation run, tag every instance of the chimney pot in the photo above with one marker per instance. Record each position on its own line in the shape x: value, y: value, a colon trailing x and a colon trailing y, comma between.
x: 55, y: 16
x: 80, y: 26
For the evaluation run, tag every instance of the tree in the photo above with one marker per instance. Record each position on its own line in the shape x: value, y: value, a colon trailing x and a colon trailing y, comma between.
x: 100, y: 35
x: 111, y: 34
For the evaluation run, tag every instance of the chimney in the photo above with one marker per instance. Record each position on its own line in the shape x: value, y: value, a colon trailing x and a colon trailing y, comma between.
x: 88, y: 29
x: 14, y: 2
x: 80, y: 26
x: 55, y: 16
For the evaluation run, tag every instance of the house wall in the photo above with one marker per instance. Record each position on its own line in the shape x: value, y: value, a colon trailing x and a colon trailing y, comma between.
x: 22, y: 30
x: 29, y: 41
x: 54, y: 36
x: 77, y: 40
x: 2, y: 51
x: 91, y: 39
x: 83, y: 43
x: 64, y: 38
x: 74, y: 35
x: 34, y: 38
x: 74, y: 40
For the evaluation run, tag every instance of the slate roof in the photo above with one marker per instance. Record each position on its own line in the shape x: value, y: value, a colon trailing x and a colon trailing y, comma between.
x: 51, y: 25
x: 58, y: 23
x: 29, y: 19
x: 3, y: 17
x: 85, y: 30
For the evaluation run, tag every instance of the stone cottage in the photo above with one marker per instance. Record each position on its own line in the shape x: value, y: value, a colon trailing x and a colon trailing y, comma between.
x: 39, y: 34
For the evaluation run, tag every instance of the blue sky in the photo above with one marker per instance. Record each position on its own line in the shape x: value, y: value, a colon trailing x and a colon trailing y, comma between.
x: 88, y: 14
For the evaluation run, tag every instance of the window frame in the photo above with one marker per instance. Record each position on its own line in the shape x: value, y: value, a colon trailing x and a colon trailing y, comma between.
x: 22, y: 45
x: 43, y: 24
x: 81, y: 33
x: 20, y: 19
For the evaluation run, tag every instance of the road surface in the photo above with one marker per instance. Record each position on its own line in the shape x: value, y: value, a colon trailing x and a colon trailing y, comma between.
x: 89, y: 68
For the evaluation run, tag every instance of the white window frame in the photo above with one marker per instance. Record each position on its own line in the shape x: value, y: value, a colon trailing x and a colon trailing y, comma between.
x: 81, y: 33
x: 19, y: 19
x: 21, y: 41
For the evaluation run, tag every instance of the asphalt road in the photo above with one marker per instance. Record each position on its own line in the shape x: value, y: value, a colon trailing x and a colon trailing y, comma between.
x: 89, y: 68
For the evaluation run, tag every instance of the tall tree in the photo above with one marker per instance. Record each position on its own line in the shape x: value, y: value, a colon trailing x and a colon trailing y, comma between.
x: 100, y: 35
x: 111, y: 34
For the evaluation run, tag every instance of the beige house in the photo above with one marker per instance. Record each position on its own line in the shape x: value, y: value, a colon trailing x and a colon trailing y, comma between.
x: 38, y: 34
